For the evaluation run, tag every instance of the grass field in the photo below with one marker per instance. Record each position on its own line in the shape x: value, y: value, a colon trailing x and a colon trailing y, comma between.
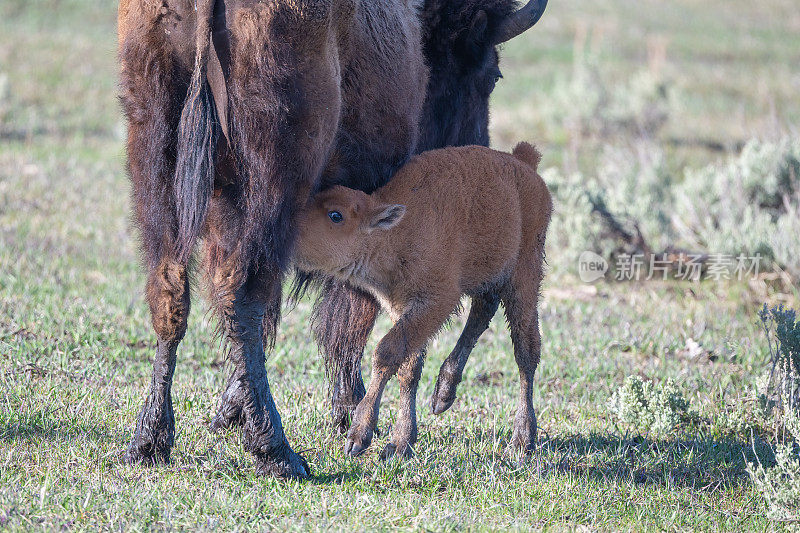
x: 75, y: 340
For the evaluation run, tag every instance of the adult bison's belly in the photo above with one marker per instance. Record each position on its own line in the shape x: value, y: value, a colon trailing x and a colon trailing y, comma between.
x: 384, y: 78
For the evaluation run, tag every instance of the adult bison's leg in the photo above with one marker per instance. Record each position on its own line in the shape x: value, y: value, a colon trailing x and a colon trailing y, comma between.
x: 242, y: 311
x: 151, y: 94
x: 168, y: 296
x: 343, y: 322
x: 230, y: 411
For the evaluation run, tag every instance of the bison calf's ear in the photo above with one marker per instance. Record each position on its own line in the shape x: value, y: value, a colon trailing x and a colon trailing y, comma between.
x: 386, y: 216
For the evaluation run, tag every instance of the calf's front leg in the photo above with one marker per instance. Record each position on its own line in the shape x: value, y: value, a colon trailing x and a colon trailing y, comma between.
x: 407, y: 337
x: 404, y: 432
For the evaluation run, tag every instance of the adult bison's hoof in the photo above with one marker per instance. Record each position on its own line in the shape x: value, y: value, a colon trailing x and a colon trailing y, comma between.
x: 444, y: 394
x: 221, y: 422
x: 152, y: 442
x: 358, y: 440
x: 524, y: 436
x: 145, y: 452
x: 402, y: 450
x: 292, y: 466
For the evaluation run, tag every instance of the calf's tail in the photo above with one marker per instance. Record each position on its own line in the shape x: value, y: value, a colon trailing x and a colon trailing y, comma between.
x: 197, y: 137
x: 528, y: 154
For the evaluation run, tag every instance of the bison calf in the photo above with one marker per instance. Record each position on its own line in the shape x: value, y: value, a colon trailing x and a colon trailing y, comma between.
x: 455, y: 221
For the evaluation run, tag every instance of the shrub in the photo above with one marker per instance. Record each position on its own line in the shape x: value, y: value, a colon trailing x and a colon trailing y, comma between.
x: 783, y: 335
x: 650, y: 407
x: 624, y: 209
x: 592, y: 104
x: 749, y: 206
x: 780, y: 484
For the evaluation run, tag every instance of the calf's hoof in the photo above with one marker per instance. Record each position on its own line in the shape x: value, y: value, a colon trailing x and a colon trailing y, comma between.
x: 444, y: 394
x: 358, y: 440
x: 291, y: 465
x: 401, y: 450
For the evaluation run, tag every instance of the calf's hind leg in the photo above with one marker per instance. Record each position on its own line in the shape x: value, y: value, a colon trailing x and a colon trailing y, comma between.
x: 484, y: 306
x: 520, y: 300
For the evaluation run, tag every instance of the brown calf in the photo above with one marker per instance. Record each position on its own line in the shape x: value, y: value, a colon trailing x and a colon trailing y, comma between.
x: 455, y: 221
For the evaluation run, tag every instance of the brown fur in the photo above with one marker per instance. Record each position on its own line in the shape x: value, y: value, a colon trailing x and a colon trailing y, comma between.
x: 168, y: 295
x: 454, y: 221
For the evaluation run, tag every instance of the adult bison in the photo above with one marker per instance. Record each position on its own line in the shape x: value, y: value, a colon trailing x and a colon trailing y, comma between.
x: 237, y: 110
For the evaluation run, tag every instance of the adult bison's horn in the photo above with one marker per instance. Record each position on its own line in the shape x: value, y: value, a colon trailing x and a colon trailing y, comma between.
x: 521, y: 20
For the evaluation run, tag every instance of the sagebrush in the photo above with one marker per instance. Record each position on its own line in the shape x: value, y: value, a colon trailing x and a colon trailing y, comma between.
x: 650, y: 407
x: 748, y: 207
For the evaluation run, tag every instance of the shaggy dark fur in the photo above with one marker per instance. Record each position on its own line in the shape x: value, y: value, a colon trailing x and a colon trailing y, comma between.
x: 463, y: 60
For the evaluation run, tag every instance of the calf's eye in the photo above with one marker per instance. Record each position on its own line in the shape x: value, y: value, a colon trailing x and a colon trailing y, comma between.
x: 336, y: 217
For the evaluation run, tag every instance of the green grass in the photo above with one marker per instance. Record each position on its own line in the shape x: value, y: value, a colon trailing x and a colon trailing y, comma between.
x: 75, y: 340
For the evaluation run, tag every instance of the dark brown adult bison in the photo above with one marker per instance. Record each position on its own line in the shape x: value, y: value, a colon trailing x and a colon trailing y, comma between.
x: 237, y: 111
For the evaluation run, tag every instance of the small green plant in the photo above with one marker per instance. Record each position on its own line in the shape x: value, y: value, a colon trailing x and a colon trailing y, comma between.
x: 783, y: 335
x: 780, y: 484
x: 650, y: 407
x: 779, y: 395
